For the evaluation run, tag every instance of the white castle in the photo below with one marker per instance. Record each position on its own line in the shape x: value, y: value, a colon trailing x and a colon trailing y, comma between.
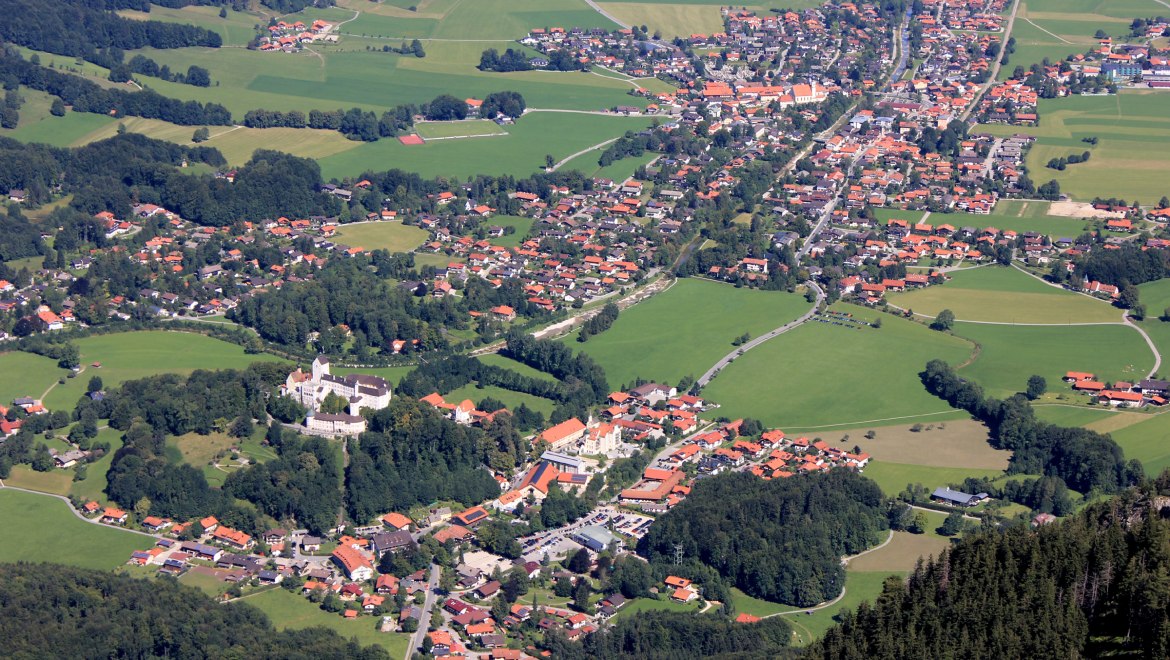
x: 359, y: 390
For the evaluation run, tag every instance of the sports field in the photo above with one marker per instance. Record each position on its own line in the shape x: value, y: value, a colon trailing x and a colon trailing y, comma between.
x: 686, y: 329
x: 392, y: 236
x: 1002, y: 294
x: 292, y: 611
x: 1129, y: 161
x: 820, y: 374
x: 131, y: 355
x: 453, y: 129
x: 521, y: 152
x: 36, y: 528
x: 1010, y: 354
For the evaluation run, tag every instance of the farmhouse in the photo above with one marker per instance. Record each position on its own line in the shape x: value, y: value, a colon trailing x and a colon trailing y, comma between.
x: 956, y: 498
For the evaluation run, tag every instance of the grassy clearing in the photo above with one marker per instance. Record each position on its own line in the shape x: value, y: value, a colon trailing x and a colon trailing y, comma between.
x: 520, y: 224
x: 1005, y: 295
x: 617, y: 171
x: 893, y: 477
x: 392, y: 236
x: 57, y: 482
x: 649, y: 340
x: 649, y: 604
x: 94, y: 485
x: 820, y: 375
x: 39, y: 528
x: 1066, y: 415
x: 509, y: 398
x: 1146, y: 442
x: 941, y: 444
x: 25, y: 374
x: 859, y: 587
x: 497, y: 360
x: 61, y: 131
x: 1133, y: 129
x: 235, y: 142
x: 1010, y: 354
x: 904, y: 550
x: 131, y: 355
x: 208, y: 584
x: 466, y: 128
x: 520, y: 152
x: 292, y: 611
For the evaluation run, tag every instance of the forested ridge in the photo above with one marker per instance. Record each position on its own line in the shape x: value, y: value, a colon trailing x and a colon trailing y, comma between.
x: 51, y: 611
x: 1093, y: 585
x: 779, y: 540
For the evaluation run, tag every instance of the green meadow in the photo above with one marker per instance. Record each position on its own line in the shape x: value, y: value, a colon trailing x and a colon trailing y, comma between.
x: 497, y: 360
x: 1002, y: 294
x: 25, y: 374
x: 1147, y: 442
x: 291, y: 611
x: 1016, y: 215
x: 820, y: 374
x: 1010, y: 354
x: 39, y: 528
x: 520, y: 224
x: 1133, y: 129
x: 132, y: 355
x: 237, y: 29
x: 392, y: 236
x: 510, y: 399
x: 686, y: 329
x: 893, y: 477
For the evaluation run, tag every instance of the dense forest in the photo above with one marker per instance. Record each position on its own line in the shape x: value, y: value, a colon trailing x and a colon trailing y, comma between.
x: 303, y: 483
x: 1084, y: 459
x: 779, y: 540
x: 1130, y: 264
x: 656, y: 635
x: 78, y: 28
x: 412, y: 455
x: 1092, y: 586
x: 52, y: 611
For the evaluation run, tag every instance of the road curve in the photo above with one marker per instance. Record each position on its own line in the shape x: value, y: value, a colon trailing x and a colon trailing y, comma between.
x: 727, y: 359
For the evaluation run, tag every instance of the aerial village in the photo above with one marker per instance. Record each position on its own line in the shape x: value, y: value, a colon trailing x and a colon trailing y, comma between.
x: 761, y: 90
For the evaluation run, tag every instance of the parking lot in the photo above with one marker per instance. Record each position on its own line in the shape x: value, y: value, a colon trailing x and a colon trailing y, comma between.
x: 557, y: 544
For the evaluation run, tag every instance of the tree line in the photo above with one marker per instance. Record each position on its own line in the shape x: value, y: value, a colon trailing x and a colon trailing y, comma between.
x: 599, y: 323
x: 1090, y: 586
x: 516, y: 60
x: 1085, y: 460
x: 779, y: 540
x: 68, y: 612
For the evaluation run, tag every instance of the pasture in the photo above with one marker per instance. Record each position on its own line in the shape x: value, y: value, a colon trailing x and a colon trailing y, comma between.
x: 1005, y: 295
x: 893, y: 477
x: 1133, y: 129
x: 1068, y: 415
x: 668, y: 20
x: 686, y: 329
x: 1146, y: 441
x: 392, y: 236
x: 616, y: 171
x: 1016, y: 215
x: 859, y: 587
x: 904, y: 550
x: 36, y: 526
x: 497, y: 360
x: 54, y: 481
x: 132, y: 355
x: 935, y: 444
x: 1010, y: 354
x: 521, y: 152
x: 822, y: 375
x: 289, y: 611
x: 25, y: 374
x: 510, y: 399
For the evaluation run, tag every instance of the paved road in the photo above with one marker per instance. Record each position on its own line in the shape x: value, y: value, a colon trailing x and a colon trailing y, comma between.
x: 416, y: 640
x: 604, y: 13
x: 726, y: 359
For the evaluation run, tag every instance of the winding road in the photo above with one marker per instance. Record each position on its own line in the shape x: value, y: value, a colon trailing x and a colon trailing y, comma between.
x: 77, y: 513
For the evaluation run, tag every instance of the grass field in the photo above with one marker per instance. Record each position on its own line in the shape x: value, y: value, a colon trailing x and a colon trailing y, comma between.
x: 640, y: 605
x: 392, y: 374
x: 131, y: 355
x: 671, y: 20
x: 937, y: 444
x: 25, y: 374
x: 1066, y: 415
x: 521, y: 152
x: 39, y: 528
x: 235, y: 142
x: 521, y: 224
x: 237, y: 29
x: 1009, y: 354
x: 466, y: 128
x: 292, y: 611
x: 1005, y: 295
x: 1019, y: 216
x: 57, y: 482
x: 1147, y: 442
x: 1129, y: 161
x: 820, y: 375
x: 392, y: 236
x: 617, y: 171
x: 859, y: 587
x: 893, y: 477
x: 685, y: 330
x: 94, y: 484
x: 199, y: 450
x: 497, y: 360
x: 509, y: 398
x: 904, y: 550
